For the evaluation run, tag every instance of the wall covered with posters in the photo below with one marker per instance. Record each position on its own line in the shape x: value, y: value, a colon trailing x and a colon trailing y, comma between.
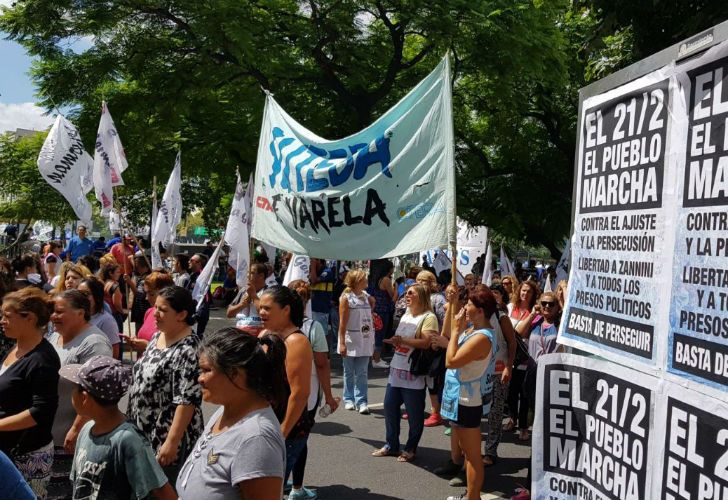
x: 648, y: 295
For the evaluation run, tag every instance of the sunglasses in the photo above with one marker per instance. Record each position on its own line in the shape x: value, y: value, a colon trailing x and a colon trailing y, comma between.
x: 410, y: 292
x: 547, y: 304
x: 505, y: 283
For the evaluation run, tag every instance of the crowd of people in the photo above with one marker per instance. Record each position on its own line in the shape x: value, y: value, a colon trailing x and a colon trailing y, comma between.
x: 81, y: 329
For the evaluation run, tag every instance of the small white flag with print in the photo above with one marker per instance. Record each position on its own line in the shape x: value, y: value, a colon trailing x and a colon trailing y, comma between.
x: 488, y: 266
x: 65, y: 165
x: 109, y: 161
x: 237, y: 234
x: 204, y: 280
x: 170, y: 211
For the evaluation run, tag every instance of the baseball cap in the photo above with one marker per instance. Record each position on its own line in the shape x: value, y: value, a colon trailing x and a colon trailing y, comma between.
x: 103, y: 377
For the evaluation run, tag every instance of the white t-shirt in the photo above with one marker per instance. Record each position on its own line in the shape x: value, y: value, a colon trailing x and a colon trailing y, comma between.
x: 399, y: 374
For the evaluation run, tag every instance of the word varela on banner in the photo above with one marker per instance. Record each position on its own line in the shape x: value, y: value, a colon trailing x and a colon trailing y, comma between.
x: 396, y: 177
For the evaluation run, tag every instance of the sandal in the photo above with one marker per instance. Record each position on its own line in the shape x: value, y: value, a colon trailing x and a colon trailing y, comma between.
x: 384, y: 451
x: 510, y: 425
x: 488, y: 460
x: 406, y: 456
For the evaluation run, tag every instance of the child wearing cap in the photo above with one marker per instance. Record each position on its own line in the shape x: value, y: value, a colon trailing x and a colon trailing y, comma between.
x: 112, y: 458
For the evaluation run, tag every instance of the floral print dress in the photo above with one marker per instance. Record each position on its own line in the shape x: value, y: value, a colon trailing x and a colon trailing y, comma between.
x: 162, y: 380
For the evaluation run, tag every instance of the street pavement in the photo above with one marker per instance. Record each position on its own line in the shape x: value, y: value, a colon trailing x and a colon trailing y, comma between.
x: 340, y: 465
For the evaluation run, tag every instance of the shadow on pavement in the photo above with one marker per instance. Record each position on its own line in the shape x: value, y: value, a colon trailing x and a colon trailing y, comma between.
x: 341, y: 491
x: 427, y: 459
x: 331, y: 428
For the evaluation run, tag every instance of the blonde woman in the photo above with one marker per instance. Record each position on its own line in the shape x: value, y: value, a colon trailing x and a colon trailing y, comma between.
x: 561, y: 290
x: 415, y: 331
x: 356, y: 339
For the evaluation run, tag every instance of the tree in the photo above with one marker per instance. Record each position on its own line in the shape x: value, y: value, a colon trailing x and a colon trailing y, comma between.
x: 184, y: 75
x: 26, y: 195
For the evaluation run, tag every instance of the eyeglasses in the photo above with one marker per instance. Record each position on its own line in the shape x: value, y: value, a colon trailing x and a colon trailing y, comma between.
x: 545, y: 303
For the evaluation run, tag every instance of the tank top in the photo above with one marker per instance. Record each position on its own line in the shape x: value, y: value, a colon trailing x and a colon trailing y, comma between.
x: 359, y: 336
x: 315, y: 395
x: 305, y: 422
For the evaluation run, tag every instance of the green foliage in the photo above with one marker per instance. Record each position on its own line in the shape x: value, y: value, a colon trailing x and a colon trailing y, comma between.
x: 25, y: 194
x: 188, y: 74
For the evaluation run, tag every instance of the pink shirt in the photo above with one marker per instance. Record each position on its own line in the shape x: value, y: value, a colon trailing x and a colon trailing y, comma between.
x: 149, y: 327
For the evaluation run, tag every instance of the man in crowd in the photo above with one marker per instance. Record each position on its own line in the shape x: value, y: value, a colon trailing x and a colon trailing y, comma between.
x: 79, y: 245
x: 197, y: 263
x: 245, y: 305
x: 123, y: 252
x: 322, y: 287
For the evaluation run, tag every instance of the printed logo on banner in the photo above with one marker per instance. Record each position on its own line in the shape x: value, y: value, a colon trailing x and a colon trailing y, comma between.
x: 595, y: 436
x: 698, y: 338
x: 262, y: 202
x: 420, y: 211
x: 695, y: 463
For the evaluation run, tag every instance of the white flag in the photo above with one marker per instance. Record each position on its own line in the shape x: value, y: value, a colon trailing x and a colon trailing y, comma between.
x: 562, y: 268
x: 297, y: 269
x: 547, y: 284
x: 65, y: 165
x: 156, y: 256
x: 442, y: 262
x: 204, y: 280
x: 237, y: 234
x: 109, y: 161
x: 488, y: 266
x: 170, y: 211
x: 506, y: 266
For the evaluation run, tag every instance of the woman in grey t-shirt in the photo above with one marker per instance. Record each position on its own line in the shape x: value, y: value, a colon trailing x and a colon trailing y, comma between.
x: 242, y: 451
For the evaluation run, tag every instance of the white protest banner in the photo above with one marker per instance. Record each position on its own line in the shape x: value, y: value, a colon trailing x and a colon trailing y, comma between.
x: 170, y: 211
x: 593, y: 435
x: 466, y: 257
x: 694, y: 447
x: 65, y: 165
x: 471, y: 236
x: 488, y: 266
x: 109, y: 161
x: 621, y: 245
x: 506, y: 266
x: 237, y: 236
x: 298, y: 269
x: 385, y: 191
x: 697, y: 346
x: 204, y: 280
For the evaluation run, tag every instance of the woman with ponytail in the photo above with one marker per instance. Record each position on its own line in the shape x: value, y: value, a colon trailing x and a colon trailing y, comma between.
x: 281, y: 310
x: 241, y: 453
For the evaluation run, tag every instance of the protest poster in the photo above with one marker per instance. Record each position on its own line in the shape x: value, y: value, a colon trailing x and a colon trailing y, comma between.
x: 694, y: 451
x: 619, y: 270
x: 385, y: 191
x: 592, y: 434
x: 698, y: 332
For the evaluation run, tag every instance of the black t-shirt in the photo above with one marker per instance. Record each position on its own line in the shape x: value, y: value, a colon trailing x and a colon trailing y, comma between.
x: 31, y: 383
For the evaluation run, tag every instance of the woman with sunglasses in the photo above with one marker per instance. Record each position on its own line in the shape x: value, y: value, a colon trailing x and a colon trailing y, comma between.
x: 510, y: 283
x: 415, y: 331
x: 520, y: 308
x: 541, y: 327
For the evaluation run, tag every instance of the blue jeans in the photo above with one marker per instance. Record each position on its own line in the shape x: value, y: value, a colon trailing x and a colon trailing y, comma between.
x: 294, y: 447
x: 322, y: 318
x: 414, y: 404
x: 356, y: 374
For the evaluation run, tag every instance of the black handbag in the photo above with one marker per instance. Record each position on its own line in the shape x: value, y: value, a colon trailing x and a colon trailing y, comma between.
x: 427, y: 362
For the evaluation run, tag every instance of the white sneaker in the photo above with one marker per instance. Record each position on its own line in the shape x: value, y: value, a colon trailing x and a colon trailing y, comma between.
x: 364, y: 410
x: 380, y: 364
x: 349, y: 406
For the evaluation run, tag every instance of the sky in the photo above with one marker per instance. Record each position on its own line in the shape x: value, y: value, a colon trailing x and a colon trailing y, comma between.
x: 17, y: 92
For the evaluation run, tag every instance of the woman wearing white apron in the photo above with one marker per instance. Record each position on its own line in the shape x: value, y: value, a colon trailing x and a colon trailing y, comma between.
x: 356, y: 340
x: 470, y: 361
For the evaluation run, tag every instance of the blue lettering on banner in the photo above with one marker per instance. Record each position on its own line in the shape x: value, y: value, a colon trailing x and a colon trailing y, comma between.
x: 419, y: 211
x: 322, y: 168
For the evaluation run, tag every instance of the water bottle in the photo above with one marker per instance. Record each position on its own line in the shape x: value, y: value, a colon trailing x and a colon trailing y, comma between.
x: 325, y: 410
